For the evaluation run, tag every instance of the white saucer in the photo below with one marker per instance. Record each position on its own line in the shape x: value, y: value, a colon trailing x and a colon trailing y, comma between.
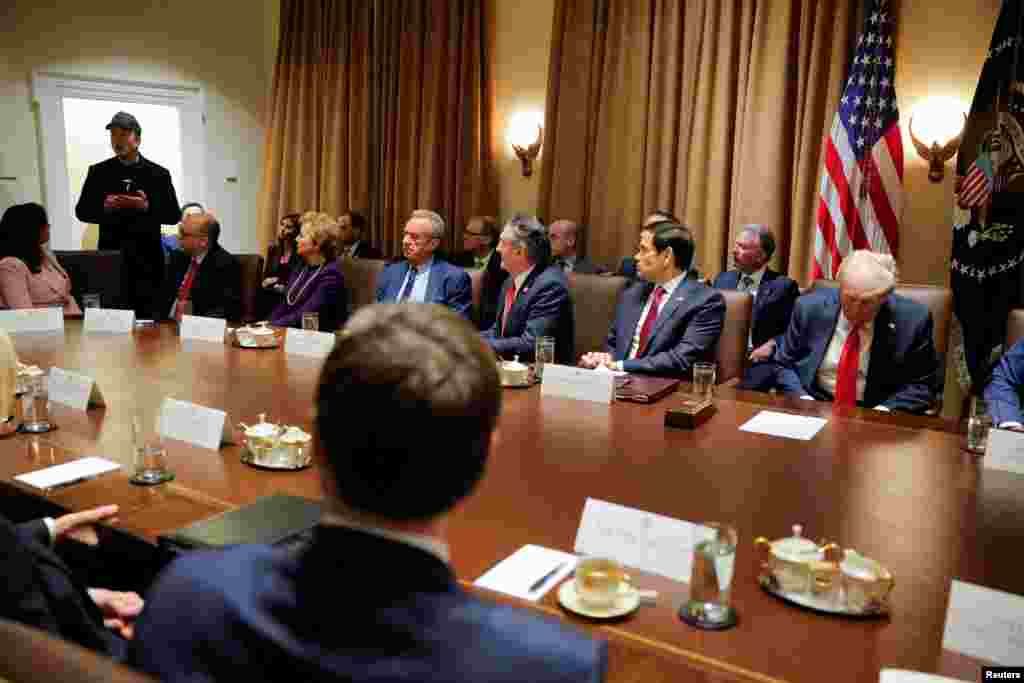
x: 628, y: 601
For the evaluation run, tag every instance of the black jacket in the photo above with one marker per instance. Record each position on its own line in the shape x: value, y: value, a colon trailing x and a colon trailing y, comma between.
x: 494, y: 278
x: 216, y: 289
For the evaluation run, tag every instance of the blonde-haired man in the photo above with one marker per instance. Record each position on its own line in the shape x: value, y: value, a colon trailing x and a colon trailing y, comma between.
x: 860, y: 344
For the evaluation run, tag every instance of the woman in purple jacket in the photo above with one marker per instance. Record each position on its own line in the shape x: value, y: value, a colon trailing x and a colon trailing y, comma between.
x: 316, y: 287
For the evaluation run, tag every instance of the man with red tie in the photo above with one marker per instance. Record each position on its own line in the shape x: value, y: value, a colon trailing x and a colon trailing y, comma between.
x: 666, y: 322
x: 860, y: 344
x: 204, y: 279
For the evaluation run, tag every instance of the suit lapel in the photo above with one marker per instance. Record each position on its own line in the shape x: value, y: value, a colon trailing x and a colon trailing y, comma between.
x: 831, y: 314
x: 881, y: 348
x: 518, y: 302
x: 671, y: 306
x: 629, y: 324
x: 400, y: 284
x: 434, y: 283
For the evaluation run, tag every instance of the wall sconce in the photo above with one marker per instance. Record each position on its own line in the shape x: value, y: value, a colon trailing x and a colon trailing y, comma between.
x: 526, y: 135
x: 942, y: 121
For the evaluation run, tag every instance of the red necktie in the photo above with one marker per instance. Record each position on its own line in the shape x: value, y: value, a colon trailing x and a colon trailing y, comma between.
x: 652, y: 316
x: 510, y: 297
x: 849, y: 365
x: 185, y: 289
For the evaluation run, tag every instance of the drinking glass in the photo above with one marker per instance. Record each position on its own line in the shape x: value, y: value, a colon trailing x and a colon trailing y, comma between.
x: 544, y: 352
x: 978, y: 425
x: 36, y: 405
x: 91, y: 301
x: 311, y: 321
x: 150, y: 453
x: 704, y: 379
x: 714, y: 557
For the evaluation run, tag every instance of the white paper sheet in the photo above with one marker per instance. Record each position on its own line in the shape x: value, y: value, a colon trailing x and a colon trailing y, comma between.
x: 32, y: 320
x: 68, y: 473
x: 785, y: 425
x: 564, y: 381
x: 112, y: 320
x: 203, y: 328
x: 905, y: 676
x: 1005, y: 452
x: 985, y: 623
x: 523, y: 570
x: 308, y: 342
x: 608, y: 370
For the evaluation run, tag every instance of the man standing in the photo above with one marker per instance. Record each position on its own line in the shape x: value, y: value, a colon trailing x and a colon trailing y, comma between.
x: 202, y: 273
x: 563, y: 235
x: 534, y: 301
x: 423, y: 277
x: 129, y: 197
x: 379, y: 559
x: 667, y: 322
x: 352, y: 226
x: 480, y: 240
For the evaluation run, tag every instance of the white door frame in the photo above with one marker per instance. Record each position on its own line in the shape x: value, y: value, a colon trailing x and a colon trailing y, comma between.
x: 48, y: 91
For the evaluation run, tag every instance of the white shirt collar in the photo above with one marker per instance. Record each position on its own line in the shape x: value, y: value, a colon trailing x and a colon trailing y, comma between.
x: 671, y: 285
x: 521, y: 278
x: 428, y: 544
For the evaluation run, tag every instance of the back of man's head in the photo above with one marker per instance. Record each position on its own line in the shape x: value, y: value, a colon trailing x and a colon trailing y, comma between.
x: 407, y: 402
x: 868, y: 272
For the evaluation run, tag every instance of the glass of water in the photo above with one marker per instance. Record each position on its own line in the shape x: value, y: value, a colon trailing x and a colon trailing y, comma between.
x: 704, y: 379
x: 150, y: 454
x: 35, y: 405
x: 311, y: 321
x: 978, y: 425
x: 544, y: 352
x: 714, y: 558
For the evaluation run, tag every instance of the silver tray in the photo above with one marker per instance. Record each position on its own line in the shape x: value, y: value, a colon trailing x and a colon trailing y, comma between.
x: 280, y: 459
x: 818, y: 603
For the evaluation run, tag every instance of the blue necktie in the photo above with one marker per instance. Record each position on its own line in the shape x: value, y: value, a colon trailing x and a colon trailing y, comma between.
x: 407, y: 290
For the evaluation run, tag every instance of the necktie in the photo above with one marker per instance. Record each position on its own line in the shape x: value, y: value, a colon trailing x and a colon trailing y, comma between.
x: 407, y: 290
x: 652, y: 316
x: 746, y: 283
x: 510, y: 297
x: 849, y: 365
x: 184, y: 292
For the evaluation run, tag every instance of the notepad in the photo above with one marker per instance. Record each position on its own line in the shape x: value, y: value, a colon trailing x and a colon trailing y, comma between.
x: 68, y: 473
x: 785, y: 425
x: 529, y: 572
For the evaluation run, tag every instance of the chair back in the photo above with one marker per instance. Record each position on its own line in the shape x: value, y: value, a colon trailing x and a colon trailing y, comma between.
x: 594, y: 299
x: 93, y: 272
x: 731, y: 351
x: 476, y: 279
x: 251, y: 267
x: 360, y: 280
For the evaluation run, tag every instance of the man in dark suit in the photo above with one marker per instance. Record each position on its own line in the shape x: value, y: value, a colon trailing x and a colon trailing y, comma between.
x: 203, y: 273
x: 667, y: 322
x: 480, y: 241
x: 353, y: 237
x: 860, y: 344
x: 564, y: 235
x: 422, y: 276
x: 373, y: 597
x: 774, y: 294
x: 627, y: 268
x: 1003, y: 392
x: 40, y: 590
x: 129, y: 197
x: 534, y: 301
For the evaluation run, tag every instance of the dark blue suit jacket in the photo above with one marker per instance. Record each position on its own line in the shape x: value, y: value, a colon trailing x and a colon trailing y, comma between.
x: 541, y: 309
x: 773, y: 305
x: 903, y: 364
x: 1003, y: 392
x: 351, y: 606
x: 686, y: 330
x: 448, y: 285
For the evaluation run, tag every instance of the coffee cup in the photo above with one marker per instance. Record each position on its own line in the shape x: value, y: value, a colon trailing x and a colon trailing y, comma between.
x: 600, y: 581
x: 866, y: 582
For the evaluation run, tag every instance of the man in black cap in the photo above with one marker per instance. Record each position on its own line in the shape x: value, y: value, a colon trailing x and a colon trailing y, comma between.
x: 129, y: 197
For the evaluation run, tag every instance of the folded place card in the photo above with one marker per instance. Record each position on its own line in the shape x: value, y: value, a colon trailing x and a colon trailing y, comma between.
x: 905, y: 676
x: 985, y: 624
x: 564, y: 381
x: 68, y: 473
x: 32, y: 320
x: 644, y: 540
x: 203, y: 328
x: 785, y: 425
x: 194, y: 424
x: 529, y: 572
x: 73, y: 389
x: 115, y: 320
x: 1005, y: 451
x: 308, y: 342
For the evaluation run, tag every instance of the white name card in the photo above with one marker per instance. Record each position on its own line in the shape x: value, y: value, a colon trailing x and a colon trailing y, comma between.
x: 644, y: 540
x: 1005, y: 451
x: 113, y: 320
x: 564, y: 381
x: 194, y: 424
x: 203, y: 328
x: 73, y: 389
x: 905, y: 676
x: 984, y: 623
x: 32, y: 320
x: 308, y: 342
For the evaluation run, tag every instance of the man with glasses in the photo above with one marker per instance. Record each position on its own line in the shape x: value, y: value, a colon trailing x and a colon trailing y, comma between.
x: 203, y: 279
x: 422, y: 276
x: 480, y: 239
x: 534, y: 301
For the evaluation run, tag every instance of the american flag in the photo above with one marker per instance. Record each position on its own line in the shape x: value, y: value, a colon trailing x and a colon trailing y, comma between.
x: 980, y: 183
x: 861, y: 193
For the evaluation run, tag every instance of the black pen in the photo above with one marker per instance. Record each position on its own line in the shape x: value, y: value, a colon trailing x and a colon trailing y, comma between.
x: 542, y: 580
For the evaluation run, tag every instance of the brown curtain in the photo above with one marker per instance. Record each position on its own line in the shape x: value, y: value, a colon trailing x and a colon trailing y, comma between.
x: 715, y: 111
x: 381, y: 106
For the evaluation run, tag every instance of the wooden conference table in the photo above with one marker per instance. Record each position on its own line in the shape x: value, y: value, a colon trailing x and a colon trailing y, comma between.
x: 897, y: 488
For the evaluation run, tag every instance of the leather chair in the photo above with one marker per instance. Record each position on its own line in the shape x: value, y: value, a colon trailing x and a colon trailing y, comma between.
x: 1014, y: 327
x: 252, y: 279
x: 731, y: 352
x: 360, y: 280
x: 594, y: 299
x: 93, y: 272
x: 33, y: 655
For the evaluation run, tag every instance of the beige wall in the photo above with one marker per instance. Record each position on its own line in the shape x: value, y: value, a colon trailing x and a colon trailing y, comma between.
x: 228, y: 46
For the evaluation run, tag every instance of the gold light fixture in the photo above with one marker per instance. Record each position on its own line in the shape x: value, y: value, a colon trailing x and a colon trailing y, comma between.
x: 944, y: 127
x: 526, y: 135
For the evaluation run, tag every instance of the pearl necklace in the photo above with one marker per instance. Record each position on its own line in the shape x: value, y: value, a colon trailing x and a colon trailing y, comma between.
x: 288, y: 296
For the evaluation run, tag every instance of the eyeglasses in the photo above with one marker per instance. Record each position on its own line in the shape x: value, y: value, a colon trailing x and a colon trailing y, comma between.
x: 419, y: 239
x: 470, y: 233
